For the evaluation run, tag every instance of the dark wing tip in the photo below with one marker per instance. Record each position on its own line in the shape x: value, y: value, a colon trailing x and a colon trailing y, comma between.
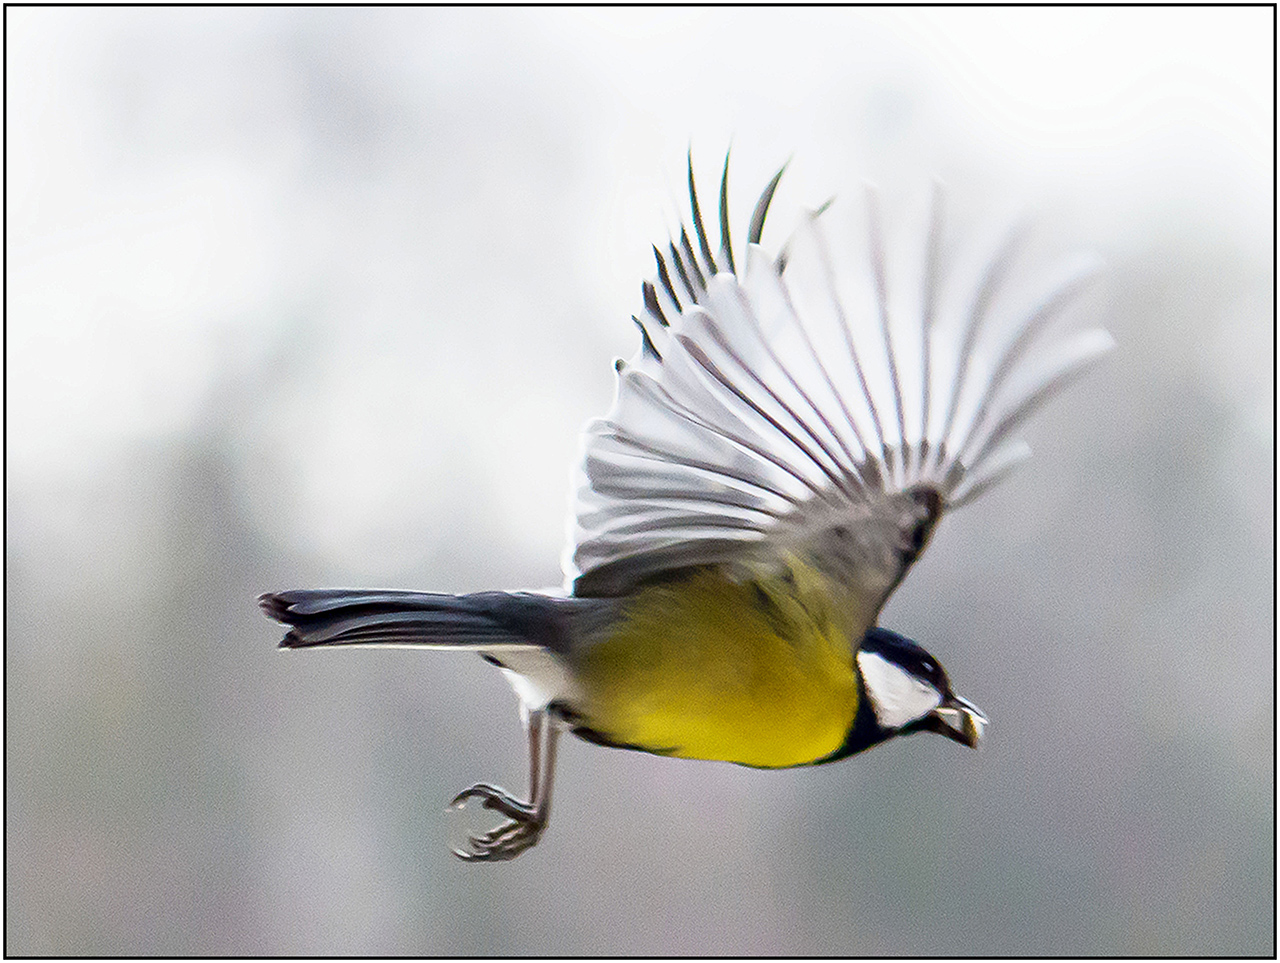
x: 665, y: 277
x: 698, y: 227
x: 726, y: 245
x: 692, y: 258
x: 756, y: 228
x: 647, y: 347
x: 650, y: 294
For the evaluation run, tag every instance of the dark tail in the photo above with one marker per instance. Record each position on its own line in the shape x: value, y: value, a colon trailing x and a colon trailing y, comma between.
x: 371, y: 617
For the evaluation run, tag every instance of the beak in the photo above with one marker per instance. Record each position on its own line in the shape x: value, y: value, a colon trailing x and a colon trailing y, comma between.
x: 958, y: 719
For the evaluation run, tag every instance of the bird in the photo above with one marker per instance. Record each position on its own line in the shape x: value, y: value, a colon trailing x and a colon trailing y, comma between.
x: 778, y: 455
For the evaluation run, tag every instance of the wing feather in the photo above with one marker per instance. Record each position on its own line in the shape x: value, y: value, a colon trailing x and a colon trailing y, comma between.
x: 781, y: 406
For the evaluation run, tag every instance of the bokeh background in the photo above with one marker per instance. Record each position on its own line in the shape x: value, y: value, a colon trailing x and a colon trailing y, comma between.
x: 322, y: 297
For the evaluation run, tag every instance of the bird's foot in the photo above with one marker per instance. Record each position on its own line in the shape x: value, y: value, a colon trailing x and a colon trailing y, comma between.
x: 521, y: 830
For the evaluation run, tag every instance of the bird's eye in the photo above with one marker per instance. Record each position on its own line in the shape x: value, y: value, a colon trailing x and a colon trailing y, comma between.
x: 918, y: 536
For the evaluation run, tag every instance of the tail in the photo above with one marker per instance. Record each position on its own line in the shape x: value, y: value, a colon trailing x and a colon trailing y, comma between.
x: 485, y: 620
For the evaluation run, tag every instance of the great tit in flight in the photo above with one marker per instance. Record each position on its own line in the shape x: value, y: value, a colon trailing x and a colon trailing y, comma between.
x: 777, y: 456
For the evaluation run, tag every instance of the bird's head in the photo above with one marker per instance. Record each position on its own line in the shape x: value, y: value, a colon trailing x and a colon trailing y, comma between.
x: 908, y: 691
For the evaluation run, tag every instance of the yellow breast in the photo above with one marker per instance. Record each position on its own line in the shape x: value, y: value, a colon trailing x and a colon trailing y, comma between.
x: 747, y: 670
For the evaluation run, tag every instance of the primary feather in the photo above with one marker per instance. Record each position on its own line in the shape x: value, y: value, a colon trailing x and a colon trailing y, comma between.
x: 778, y: 405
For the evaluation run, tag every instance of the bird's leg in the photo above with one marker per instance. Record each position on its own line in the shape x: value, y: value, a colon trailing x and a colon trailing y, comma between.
x: 525, y: 820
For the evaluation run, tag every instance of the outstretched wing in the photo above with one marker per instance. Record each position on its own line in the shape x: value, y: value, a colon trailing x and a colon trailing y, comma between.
x: 777, y: 404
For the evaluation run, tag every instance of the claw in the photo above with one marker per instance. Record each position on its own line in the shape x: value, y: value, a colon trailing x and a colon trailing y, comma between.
x: 525, y: 820
x: 496, y: 799
x: 522, y: 829
x: 506, y: 842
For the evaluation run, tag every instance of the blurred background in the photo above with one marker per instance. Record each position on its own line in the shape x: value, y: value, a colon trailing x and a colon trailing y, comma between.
x: 318, y: 297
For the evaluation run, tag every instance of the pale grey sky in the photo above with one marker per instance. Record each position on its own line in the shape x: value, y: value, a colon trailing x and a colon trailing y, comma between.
x: 323, y: 296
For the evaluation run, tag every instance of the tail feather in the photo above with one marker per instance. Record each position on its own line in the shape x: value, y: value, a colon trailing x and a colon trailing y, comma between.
x: 485, y: 620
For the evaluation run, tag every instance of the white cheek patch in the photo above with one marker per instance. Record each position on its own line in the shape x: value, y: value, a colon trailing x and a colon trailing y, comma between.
x: 896, y: 696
